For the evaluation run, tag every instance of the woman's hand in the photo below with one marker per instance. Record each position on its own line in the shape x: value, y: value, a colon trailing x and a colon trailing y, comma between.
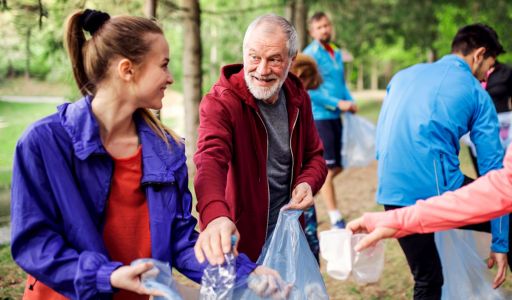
x: 358, y: 226
x: 128, y: 278
x: 267, y: 283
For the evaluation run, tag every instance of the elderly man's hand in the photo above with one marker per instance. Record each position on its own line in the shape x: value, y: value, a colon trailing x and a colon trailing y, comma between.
x: 302, y: 197
x: 215, y: 240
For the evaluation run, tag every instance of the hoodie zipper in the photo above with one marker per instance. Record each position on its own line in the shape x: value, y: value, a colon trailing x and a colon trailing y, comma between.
x: 268, y: 187
x: 291, y: 151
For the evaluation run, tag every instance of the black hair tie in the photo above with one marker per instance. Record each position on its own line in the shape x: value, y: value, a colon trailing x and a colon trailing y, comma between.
x: 92, y: 20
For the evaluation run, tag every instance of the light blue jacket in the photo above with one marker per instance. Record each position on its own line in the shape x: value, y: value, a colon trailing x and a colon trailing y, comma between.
x: 428, y: 107
x: 333, y: 89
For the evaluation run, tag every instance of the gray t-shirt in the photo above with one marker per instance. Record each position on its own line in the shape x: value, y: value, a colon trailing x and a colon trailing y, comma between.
x: 279, y: 160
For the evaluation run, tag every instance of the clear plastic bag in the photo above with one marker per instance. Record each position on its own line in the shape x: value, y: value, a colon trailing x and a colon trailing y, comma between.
x: 466, y: 276
x: 358, y: 141
x: 343, y: 262
x: 218, y: 281
x: 288, y: 252
x: 159, y: 278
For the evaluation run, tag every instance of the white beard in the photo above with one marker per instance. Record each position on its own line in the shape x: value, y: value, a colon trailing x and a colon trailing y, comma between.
x: 264, y: 93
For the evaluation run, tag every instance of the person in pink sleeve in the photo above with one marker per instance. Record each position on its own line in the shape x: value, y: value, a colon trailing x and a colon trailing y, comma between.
x: 486, y: 198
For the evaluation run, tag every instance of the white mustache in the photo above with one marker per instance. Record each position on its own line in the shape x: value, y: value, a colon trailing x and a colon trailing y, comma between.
x: 265, y: 78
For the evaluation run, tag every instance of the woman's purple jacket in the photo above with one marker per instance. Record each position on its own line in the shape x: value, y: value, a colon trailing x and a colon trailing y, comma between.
x: 60, y: 186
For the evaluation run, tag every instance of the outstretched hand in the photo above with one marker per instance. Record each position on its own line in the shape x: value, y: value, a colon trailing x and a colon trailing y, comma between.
x: 380, y: 233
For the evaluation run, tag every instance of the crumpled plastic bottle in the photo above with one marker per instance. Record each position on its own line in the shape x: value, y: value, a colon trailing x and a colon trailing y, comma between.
x: 218, y: 281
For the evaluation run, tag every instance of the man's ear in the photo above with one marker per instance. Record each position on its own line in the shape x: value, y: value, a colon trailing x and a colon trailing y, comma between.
x: 478, y: 54
x: 125, y: 69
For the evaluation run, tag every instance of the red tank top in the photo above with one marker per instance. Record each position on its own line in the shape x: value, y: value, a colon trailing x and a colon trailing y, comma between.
x: 126, y: 233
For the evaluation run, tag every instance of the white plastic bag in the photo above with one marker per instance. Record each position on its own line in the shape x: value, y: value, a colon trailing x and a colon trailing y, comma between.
x: 358, y: 141
x: 343, y: 262
x: 466, y: 276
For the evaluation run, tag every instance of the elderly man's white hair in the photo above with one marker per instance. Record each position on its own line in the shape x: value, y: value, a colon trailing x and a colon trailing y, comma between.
x: 273, y: 19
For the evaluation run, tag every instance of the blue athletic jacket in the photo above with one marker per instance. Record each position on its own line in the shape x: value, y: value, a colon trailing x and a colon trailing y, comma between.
x: 428, y: 107
x: 333, y: 89
x: 61, y: 182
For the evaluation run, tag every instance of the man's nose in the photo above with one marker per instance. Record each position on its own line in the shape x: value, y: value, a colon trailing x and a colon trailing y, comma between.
x: 263, y: 67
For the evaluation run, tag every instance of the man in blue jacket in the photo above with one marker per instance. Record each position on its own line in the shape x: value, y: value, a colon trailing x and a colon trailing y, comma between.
x: 428, y: 107
x: 328, y: 101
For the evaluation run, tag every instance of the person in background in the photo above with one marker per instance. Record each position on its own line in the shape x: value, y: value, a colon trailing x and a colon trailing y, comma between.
x: 498, y: 84
x: 428, y: 107
x: 305, y: 68
x: 328, y: 101
x: 102, y: 182
x: 258, y: 150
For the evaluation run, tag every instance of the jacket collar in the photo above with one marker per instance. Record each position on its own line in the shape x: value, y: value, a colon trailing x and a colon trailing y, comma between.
x: 232, y: 77
x: 457, y: 60
x: 159, y: 160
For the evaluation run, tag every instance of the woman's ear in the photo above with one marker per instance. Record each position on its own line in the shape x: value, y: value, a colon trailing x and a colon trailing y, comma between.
x: 125, y: 69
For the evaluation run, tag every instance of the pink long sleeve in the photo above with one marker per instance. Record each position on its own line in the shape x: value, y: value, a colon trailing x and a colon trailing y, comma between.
x: 486, y: 198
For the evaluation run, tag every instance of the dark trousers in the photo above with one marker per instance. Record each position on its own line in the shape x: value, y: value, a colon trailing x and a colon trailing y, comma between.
x: 423, y: 259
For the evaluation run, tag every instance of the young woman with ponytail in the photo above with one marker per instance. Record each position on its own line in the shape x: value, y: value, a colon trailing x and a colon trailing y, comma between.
x: 102, y: 182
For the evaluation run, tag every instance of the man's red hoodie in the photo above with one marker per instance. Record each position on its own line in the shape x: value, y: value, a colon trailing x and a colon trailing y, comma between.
x: 231, y: 158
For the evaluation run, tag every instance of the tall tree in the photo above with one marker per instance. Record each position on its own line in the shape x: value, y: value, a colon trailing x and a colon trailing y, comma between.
x: 150, y: 9
x: 192, y: 79
x: 296, y: 11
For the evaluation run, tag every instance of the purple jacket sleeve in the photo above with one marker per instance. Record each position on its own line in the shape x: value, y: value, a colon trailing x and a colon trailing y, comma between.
x: 38, y: 245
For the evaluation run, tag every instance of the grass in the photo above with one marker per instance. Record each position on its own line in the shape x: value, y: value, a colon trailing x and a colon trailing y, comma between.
x: 15, y: 118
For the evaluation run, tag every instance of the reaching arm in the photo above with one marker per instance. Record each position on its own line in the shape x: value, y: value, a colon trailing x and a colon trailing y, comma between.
x: 488, y: 197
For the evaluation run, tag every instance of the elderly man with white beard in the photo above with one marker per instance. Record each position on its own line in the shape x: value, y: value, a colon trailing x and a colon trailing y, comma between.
x: 258, y: 148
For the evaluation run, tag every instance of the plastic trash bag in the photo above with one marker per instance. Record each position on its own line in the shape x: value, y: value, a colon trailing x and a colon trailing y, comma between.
x: 465, y: 273
x: 358, y: 141
x: 288, y: 252
x: 218, y: 281
x: 343, y: 262
x: 159, y: 278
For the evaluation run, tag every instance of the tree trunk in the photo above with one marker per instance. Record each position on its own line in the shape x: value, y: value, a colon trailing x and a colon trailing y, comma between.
x: 431, y: 55
x: 289, y: 11
x: 214, y: 53
x: 150, y: 9
x: 374, y: 77
x: 360, y: 77
x: 150, y: 13
x: 300, y: 23
x: 27, y: 53
x: 192, y: 80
